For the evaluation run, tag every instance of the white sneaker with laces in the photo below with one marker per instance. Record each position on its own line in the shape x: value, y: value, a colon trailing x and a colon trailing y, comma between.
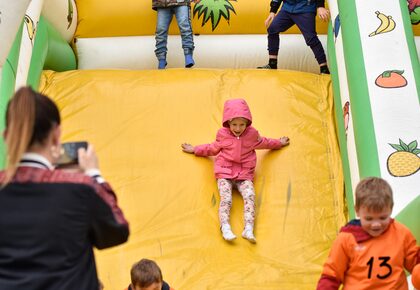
x: 227, y: 233
x: 248, y: 234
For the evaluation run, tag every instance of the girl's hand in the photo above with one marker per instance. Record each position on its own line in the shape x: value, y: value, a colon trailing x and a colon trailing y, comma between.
x: 188, y: 148
x: 323, y: 13
x: 87, y: 158
x: 270, y: 18
x: 284, y: 141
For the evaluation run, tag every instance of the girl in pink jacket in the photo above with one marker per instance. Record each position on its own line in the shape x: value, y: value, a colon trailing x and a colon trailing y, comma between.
x: 235, y: 162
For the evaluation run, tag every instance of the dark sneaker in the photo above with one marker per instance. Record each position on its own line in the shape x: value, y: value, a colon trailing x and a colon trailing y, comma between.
x: 324, y: 70
x: 267, y: 66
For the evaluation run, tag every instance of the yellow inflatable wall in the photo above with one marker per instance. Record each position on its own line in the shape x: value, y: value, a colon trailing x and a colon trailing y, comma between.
x: 137, y: 120
x: 104, y: 18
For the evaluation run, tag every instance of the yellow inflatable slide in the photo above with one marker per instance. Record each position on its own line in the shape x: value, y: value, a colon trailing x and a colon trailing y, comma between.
x: 137, y: 121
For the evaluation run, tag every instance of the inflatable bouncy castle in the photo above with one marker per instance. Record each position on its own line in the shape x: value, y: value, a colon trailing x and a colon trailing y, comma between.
x: 95, y: 59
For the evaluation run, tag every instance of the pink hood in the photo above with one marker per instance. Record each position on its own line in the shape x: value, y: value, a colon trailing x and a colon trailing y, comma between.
x: 236, y: 108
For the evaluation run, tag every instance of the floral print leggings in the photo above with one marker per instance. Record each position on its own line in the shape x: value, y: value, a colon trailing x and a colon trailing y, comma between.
x: 246, y: 189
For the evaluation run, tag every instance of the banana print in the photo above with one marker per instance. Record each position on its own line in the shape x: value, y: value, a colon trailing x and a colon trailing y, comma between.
x: 70, y: 13
x: 391, y: 25
x: 387, y: 24
x: 30, y: 27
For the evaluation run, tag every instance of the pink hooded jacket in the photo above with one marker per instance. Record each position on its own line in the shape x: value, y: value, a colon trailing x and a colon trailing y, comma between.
x: 236, y: 158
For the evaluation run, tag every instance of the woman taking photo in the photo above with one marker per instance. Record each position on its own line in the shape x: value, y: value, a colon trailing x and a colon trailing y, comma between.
x: 51, y: 219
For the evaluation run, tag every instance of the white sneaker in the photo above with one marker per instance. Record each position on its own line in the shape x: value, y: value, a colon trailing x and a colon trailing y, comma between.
x: 227, y: 233
x: 248, y: 234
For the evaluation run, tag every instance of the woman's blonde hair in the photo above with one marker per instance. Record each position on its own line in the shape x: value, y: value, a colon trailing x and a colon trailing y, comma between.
x: 30, y: 116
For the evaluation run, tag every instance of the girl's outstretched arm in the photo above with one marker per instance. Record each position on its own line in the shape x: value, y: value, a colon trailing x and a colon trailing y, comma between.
x: 269, y: 143
x: 284, y: 141
x: 205, y: 150
x: 188, y: 148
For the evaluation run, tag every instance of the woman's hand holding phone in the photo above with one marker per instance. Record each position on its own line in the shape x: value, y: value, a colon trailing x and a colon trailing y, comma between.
x: 87, y: 158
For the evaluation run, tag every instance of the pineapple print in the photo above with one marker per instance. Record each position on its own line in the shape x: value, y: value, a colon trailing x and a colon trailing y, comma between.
x: 213, y: 10
x: 405, y: 161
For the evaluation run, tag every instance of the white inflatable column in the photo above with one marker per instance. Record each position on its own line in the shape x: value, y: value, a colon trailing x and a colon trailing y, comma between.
x: 11, y: 15
x: 28, y: 39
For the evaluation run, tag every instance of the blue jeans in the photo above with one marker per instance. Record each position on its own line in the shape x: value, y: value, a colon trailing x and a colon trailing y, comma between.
x: 305, y: 22
x: 164, y: 18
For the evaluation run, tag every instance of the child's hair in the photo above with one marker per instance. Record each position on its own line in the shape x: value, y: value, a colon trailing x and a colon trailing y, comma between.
x: 30, y: 116
x: 243, y: 118
x: 374, y: 193
x: 145, y: 272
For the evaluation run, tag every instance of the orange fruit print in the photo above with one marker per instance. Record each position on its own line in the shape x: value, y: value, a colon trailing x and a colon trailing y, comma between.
x: 391, y: 79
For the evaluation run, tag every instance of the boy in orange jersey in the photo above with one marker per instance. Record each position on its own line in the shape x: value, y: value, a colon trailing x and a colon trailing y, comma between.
x: 372, y: 252
x: 415, y: 277
x: 146, y: 275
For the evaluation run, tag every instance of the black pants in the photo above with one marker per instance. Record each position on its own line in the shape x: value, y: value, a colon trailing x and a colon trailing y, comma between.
x: 306, y: 24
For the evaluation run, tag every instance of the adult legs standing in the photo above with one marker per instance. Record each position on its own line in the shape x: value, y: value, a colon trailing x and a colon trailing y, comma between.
x: 183, y: 18
x: 164, y: 18
x: 306, y: 23
x: 281, y: 22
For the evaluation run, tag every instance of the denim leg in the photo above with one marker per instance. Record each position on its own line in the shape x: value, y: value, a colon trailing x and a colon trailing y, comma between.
x: 164, y: 18
x: 280, y: 23
x: 306, y: 23
x: 183, y: 18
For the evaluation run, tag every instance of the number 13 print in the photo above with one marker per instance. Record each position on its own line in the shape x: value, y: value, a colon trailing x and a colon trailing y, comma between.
x: 384, y: 263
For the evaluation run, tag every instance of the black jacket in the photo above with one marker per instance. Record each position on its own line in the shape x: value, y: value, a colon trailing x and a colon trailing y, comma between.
x: 49, y: 222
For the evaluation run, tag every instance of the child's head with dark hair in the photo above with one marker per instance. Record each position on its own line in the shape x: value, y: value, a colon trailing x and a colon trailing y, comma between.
x: 374, y: 204
x: 146, y: 275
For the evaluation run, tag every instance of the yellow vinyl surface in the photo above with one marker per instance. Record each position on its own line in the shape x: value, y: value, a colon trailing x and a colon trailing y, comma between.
x: 137, y: 120
x: 105, y: 18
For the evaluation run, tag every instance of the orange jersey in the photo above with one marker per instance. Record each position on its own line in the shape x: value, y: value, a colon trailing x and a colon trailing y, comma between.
x: 361, y: 262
